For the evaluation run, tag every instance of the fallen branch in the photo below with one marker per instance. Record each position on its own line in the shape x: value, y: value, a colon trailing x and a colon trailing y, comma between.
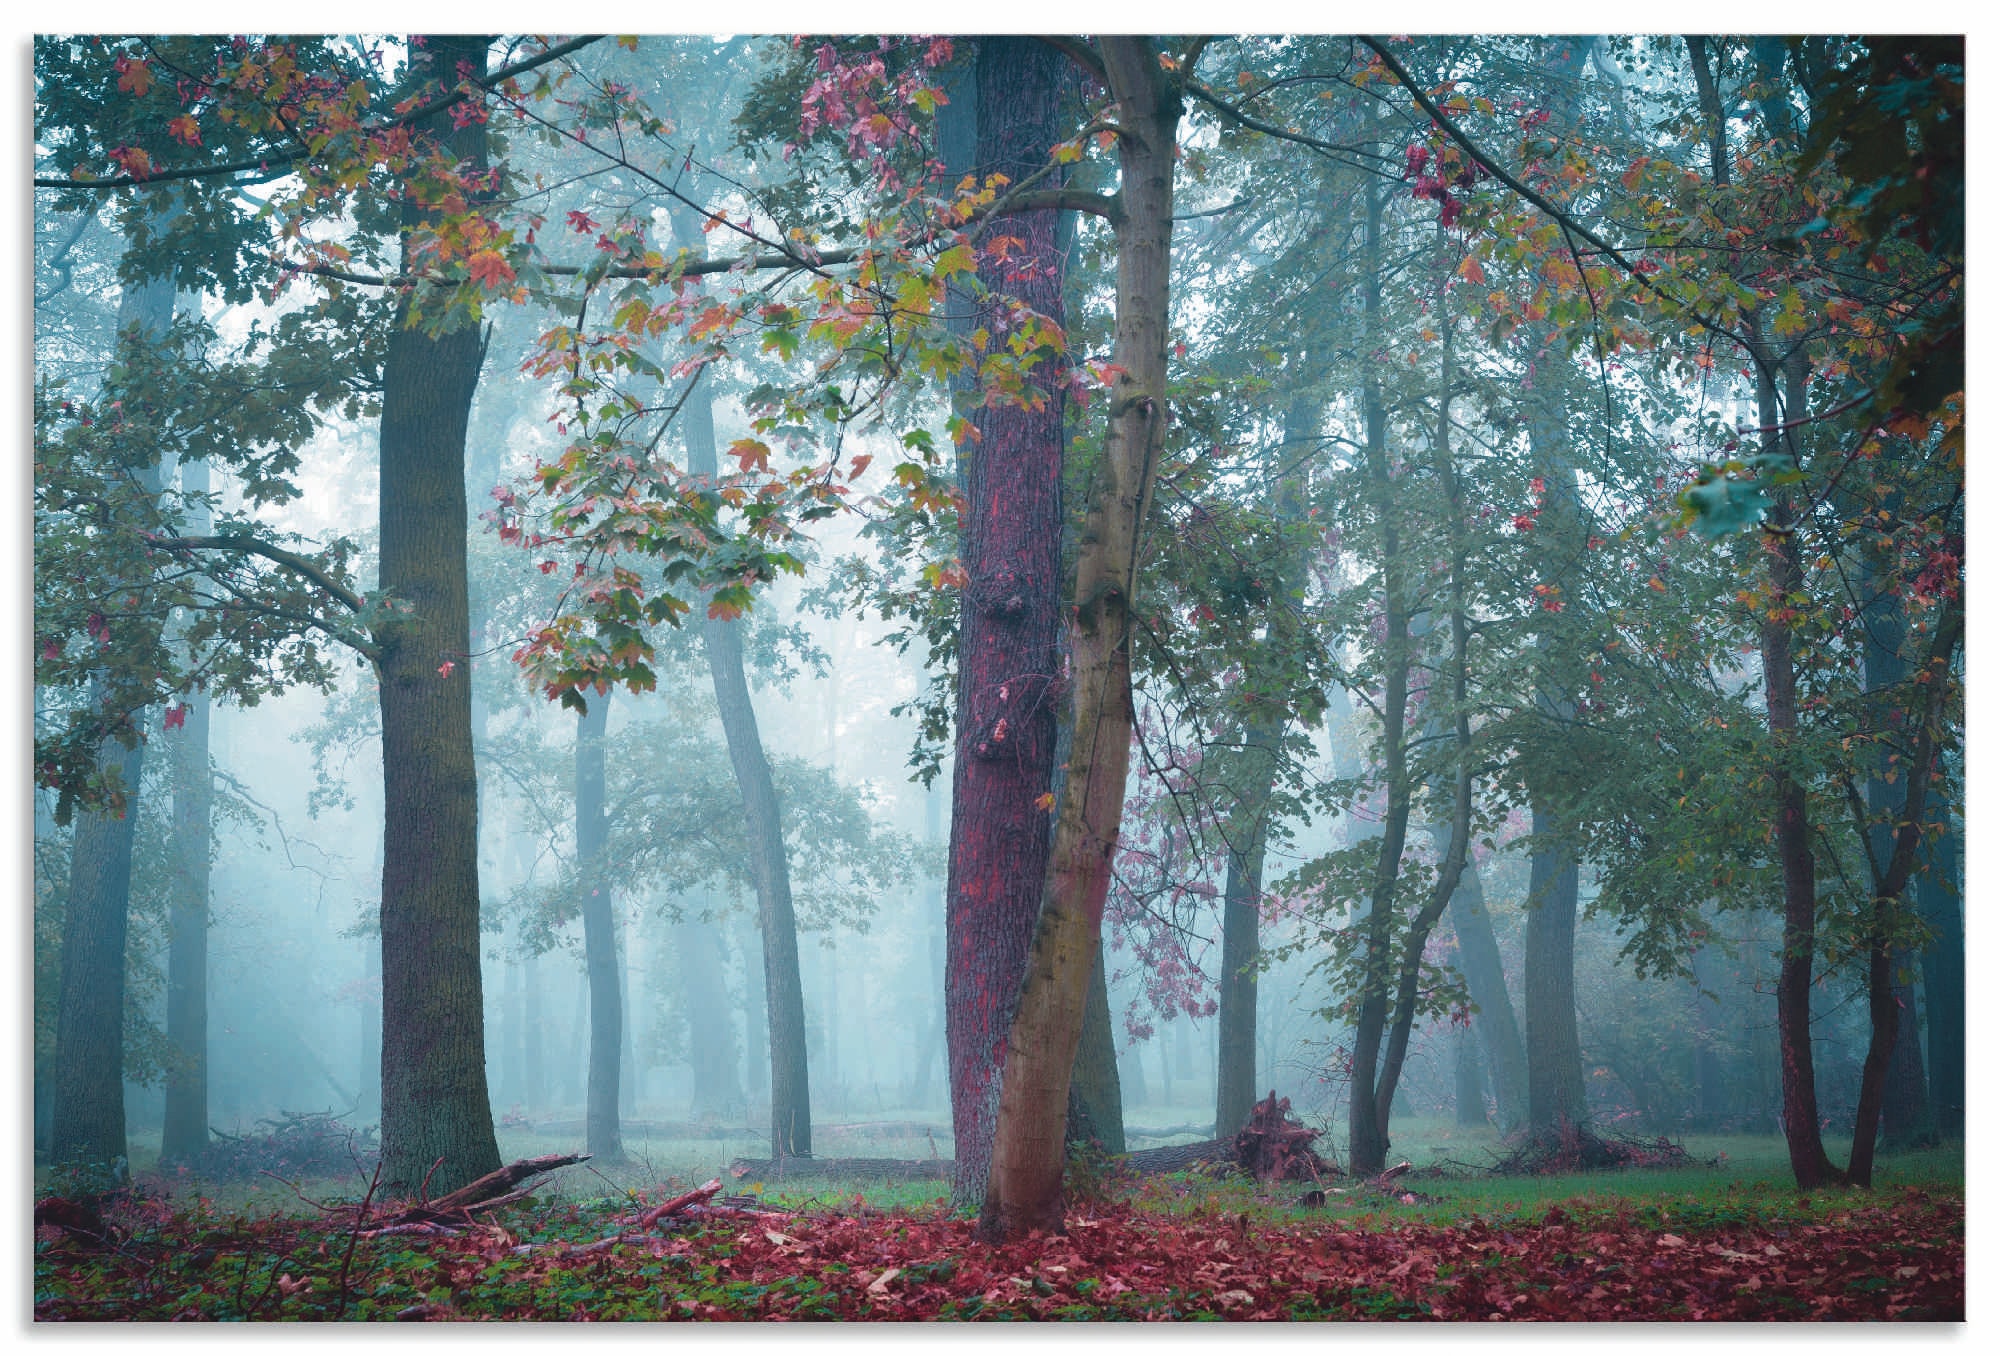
x: 684, y: 1204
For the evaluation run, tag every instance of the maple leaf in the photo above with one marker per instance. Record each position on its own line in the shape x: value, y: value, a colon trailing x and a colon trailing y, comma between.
x: 134, y: 75
x: 185, y: 130
x: 134, y: 161
x: 489, y: 269
x: 176, y: 717
x: 444, y: 669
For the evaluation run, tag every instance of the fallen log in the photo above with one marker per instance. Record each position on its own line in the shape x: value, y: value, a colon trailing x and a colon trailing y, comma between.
x: 502, y: 1180
x: 456, y: 1208
x: 869, y: 1169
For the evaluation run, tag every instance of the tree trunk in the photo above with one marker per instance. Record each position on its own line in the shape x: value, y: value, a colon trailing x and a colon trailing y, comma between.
x: 1367, y: 1144
x: 184, y: 1126
x: 600, y: 936
x: 713, y: 1057
x: 184, y: 1129
x: 1025, y: 1191
x: 1010, y: 546
x: 1096, y: 1103
x: 1468, y: 1087
x: 1944, y: 975
x: 1236, y: 1003
x: 1555, y: 1052
x: 435, y: 1108
x: 1493, y: 1021
x: 87, y: 1103
x: 784, y: 992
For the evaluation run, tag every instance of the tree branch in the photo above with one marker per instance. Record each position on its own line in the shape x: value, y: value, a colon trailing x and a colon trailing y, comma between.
x: 1082, y: 53
x: 264, y: 162
x: 292, y: 561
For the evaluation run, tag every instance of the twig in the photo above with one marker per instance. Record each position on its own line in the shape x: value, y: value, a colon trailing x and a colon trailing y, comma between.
x: 354, y: 1235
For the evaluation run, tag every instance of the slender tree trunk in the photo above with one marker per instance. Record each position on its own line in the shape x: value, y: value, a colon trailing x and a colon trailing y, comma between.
x: 87, y: 1103
x: 1236, y: 1003
x: 1367, y: 1144
x: 184, y: 1127
x: 1025, y: 1191
x: 184, y: 1130
x: 1243, y: 883
x: 1493, y: 1020
x: 1009, y: 622
x: 784, y: 992
x: 1944, y: 975
x: 600, y: 936
x: 435, y: 1109
x: 1468, y: 1087
x: 1555, y: 1053
x: 1096, y: 1102
x: 711, y: 1031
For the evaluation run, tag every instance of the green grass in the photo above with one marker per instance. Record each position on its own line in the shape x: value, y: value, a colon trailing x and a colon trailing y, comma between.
x: 1735, y: 1177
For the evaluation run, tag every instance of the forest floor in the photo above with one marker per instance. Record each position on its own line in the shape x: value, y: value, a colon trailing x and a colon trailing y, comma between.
x: 1728, y: 1239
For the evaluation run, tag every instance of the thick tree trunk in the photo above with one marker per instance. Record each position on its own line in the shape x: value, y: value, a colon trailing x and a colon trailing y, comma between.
x: 435, y: 1108
x: 1025, y: 1191
x: 1009, y: 623
x: 87, y: 1103
x: 600, y: 936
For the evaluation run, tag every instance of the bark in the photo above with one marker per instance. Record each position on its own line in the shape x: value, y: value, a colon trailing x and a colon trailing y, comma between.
x: 87, y: 1103
x: 1008, y: 659
x: 184, y: 1127
x: 784, y: 991
x: 1025, y: 1190
x: 600, y: 936
x: 434, y: 1097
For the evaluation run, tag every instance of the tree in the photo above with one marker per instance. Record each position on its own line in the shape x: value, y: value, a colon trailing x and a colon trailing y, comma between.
x: 600, y: 934
x: 1008, y: 655
x: 1026, y: 1188
x: 87, y: 1115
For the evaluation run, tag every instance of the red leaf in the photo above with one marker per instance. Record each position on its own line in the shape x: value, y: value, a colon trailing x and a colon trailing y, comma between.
x: 176, y: 717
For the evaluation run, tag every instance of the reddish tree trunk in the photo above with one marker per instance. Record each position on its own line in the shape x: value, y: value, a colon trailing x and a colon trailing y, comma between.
x: 1009, y: 629
x: 1025, y: 1190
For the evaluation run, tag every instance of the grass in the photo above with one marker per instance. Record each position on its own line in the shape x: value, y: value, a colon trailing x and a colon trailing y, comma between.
x: 1734, y: 1177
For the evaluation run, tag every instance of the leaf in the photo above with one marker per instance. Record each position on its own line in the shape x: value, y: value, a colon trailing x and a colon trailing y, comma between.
x: 1471, y: 271
x: 490, y: 269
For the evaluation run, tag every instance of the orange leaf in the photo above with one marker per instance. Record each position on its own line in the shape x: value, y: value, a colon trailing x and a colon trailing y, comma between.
x: 490, y: 269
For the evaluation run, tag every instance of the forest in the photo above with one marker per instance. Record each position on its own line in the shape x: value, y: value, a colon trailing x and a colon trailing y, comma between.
x: 1069, y: 677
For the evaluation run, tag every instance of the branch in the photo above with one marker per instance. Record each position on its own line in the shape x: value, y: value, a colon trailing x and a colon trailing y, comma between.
x: 1241, y: 119
x: 1062, y: 199
x: 1082, y: 53
x: 264, y: 162
x: 276, y: 554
